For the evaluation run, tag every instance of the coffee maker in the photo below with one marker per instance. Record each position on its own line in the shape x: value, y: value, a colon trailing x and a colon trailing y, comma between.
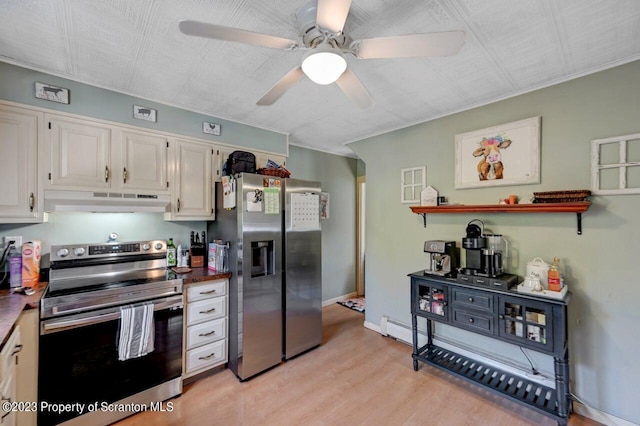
x: 443, y: 258
x: 485, y: 258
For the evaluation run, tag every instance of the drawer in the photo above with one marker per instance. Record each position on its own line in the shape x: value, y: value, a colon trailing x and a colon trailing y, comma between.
x: 205, y: 310
x: 206, y: 332
x: 472, y: 321
x: 482, y: 281
x: 206, y: 356
x: 206, y: 290
x: 473, y: 299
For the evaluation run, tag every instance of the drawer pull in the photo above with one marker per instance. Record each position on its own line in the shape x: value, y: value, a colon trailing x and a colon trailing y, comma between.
x: 471, y: 299
x: 471, y: 320
x: 207, y: 334
x: 208, y: 311
x: 211, y: 355
x: 208, y: 292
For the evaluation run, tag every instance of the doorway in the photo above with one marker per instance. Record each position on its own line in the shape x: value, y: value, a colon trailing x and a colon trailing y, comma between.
x: 360, y: 234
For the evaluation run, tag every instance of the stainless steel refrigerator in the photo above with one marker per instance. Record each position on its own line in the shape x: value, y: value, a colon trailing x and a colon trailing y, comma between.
x: 274, y: 295
x: 302, y: 271
x: 255, y: 286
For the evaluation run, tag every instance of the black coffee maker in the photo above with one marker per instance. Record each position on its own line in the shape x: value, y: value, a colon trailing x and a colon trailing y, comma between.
x: 474, y: 242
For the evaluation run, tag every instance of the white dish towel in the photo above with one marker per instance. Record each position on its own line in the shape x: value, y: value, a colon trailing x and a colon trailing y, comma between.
x: 137, y: 329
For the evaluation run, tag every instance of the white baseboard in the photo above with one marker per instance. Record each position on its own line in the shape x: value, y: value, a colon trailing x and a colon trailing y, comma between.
x: 403, y: 333
x: 338, y: 299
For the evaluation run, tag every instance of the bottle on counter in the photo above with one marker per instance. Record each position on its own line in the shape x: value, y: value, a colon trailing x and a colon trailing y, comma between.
x: 171, y: 253
x: 179, y: 255
x: 553, y: 276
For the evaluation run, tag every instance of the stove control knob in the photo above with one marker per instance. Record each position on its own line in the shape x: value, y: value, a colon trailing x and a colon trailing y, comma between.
x: 78, y: 251
x: 63, y: 252
x: 159, y: 246
x: 146, y: 246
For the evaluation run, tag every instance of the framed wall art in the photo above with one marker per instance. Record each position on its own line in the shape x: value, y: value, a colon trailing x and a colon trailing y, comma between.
x: 210, y: 128
x: 52, y: 93
x: 412, y: 181
x: 144, y: 113
x: 503, y: 155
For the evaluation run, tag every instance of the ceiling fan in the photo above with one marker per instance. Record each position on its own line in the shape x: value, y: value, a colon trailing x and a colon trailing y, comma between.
x: 321, y: 24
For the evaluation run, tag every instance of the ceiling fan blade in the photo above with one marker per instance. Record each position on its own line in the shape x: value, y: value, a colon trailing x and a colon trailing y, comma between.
x: 410, y: 46
x: 219, y: 32
x: 285, y: 83
x: 353, y: 88
x: 332, y: 14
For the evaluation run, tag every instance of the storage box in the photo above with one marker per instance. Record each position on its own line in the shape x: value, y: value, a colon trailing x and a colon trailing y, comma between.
x: 31, y: 263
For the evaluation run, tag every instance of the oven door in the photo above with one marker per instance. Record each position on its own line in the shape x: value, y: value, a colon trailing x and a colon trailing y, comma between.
x: 79, y: 363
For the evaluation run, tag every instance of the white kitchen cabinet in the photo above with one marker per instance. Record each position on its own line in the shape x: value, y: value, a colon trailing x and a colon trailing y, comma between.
x: 19, y: 197
x: 80, y: 153
x: 192, y: 192
x: 86, y: 154
x: 205, y: 326
x: 144, y: 161
x: 27, y: 368
x: 8, y: 379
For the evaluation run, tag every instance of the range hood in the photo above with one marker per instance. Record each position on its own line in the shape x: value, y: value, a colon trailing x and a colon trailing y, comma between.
x: 104, y: 202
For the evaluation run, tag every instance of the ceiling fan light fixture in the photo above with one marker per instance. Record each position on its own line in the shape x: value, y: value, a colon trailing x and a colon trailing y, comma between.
x: 324, y: 64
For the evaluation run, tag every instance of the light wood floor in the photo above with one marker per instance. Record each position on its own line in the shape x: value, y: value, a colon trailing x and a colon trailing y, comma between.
x: 355, y: 377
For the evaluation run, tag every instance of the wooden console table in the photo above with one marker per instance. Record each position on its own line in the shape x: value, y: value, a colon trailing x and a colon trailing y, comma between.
x: 532, y: 322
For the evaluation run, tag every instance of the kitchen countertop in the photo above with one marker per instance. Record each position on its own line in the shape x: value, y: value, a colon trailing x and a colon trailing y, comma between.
x: 12, y: 305
x: 198, y: 275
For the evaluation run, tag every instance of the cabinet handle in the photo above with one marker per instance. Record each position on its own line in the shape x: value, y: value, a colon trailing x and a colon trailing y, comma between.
x: 178, y: 205
x: 208, y: 311
x: 106, y: 173
x: 207, y: 334
x: 32, y: 202
x: 124, y: 175
x: 208, y: 292
x: 16, y: 349
x: 211, y: 355
x: 501, y: 316
x: 471, y: 299
x: 471, y: 320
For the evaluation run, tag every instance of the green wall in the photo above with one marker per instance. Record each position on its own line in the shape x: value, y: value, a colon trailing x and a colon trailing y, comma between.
x: 17, y: 85
x: 601, y: 266
x: 338, y: 177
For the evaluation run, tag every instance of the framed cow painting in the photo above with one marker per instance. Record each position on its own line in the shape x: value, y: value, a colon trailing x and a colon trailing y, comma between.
x: 503, y: 155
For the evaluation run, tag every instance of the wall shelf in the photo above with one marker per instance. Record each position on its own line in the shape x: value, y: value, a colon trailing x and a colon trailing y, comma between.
x: 576, y: 207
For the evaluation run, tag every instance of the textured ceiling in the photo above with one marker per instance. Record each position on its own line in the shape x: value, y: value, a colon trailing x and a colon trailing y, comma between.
x: 512, y: 46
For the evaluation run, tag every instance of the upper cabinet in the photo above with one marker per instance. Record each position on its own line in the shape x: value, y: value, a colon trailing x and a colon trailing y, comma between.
x: 80, y: 153
x: 192, y: 192
x: 19, y: 197
x: 88, y: 155
x: 144, y: 161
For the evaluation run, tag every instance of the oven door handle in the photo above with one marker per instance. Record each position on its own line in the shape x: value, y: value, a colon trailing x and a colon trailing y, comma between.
x: 110, y: 314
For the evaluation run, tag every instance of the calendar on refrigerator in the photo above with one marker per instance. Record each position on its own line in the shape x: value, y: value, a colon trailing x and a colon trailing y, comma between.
x: 305, y: 211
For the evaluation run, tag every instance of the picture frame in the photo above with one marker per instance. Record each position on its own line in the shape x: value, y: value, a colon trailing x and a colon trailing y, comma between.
x: 211, y: 128
x: 51, y: 93
x: 144, y: 113
x: 502, y: 155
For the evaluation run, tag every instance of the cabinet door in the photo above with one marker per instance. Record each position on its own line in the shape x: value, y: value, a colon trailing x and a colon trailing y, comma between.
x: 80, y: 154
x: 526, y: 322
x: 193, y: 194
x: 431, y: 300
x: 144, y: 161
x: 18, y: 144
